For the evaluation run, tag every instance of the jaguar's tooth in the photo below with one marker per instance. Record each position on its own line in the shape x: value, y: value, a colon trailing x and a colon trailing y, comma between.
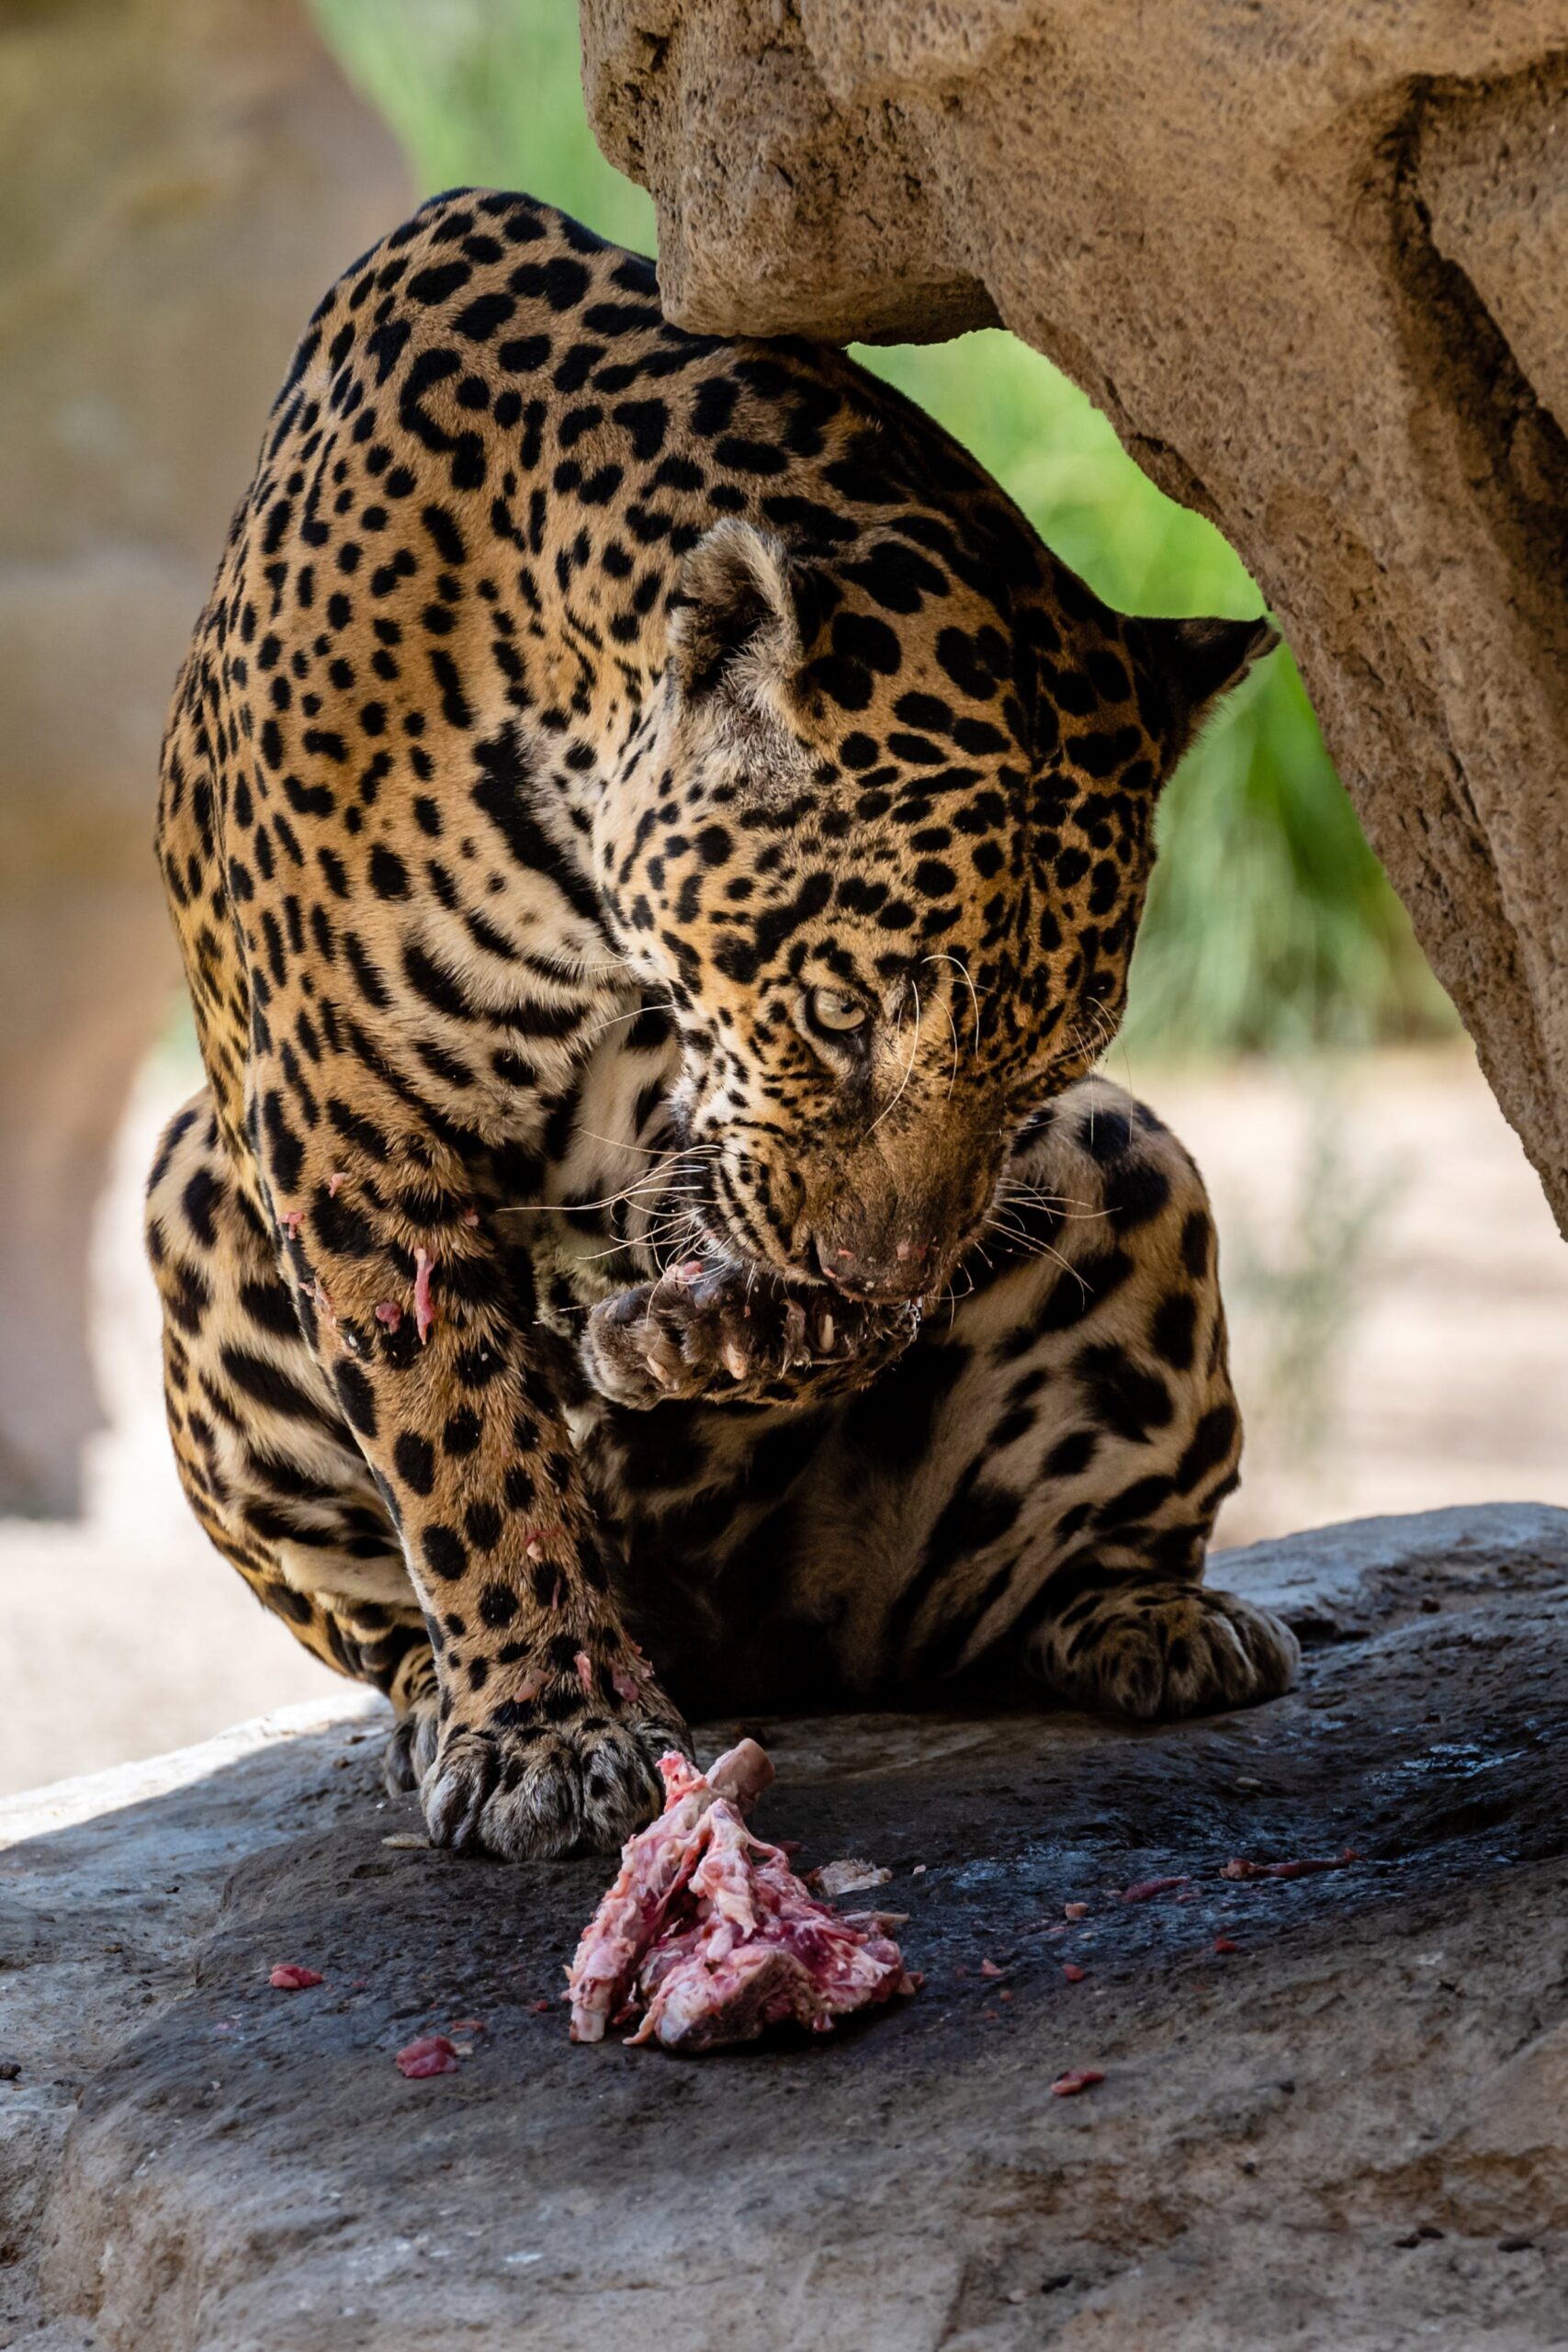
x: 824, y: 1334
x: 737, y: 1362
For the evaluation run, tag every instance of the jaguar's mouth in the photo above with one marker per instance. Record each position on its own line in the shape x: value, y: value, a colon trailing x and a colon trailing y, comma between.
x: 852, y: 1258
x: 744, y: 1233
x: 914, y: 1270
x: 919, y: 1279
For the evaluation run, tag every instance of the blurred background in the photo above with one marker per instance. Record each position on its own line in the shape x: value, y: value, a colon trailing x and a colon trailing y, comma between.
x: 183, y: 179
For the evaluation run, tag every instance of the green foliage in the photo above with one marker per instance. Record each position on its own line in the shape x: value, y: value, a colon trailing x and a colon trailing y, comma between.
x: 1271, y: 923
x: 487, y: 94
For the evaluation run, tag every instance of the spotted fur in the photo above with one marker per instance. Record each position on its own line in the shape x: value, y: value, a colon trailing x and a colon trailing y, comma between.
x: 657, y: 844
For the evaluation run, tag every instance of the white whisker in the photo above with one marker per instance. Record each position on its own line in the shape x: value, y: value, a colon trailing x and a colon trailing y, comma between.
x: 1030, y: 1245
x: 941, y: 956
x: 909, y: 1069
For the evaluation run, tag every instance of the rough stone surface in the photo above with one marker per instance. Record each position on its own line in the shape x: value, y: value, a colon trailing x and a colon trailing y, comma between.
x: 179, y: 180
x: 1347, y: 2132
x: 1310, y: 259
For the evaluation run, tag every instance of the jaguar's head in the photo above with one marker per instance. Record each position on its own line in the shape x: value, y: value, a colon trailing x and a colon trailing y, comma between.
x: 884, y: 844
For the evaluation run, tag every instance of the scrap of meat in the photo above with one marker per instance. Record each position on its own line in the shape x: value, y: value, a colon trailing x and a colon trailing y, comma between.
x: 707, y: 1936
x: 848, y: 1877
x: 290, y: 1977
x: 1077, y: 2080
x: 1242, y: 1868
x: 423, y: 1307
x: 428, y: 2053
x: 1147, y: 1888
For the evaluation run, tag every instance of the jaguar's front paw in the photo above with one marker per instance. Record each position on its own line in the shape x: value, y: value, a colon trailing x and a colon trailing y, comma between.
x: 732, y: 1337
x: 537, y: 1788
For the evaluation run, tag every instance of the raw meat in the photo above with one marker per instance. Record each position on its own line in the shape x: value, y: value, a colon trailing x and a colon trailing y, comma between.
x: 1077, y: 2078
x: 423, y: 1309
x: 1242, y: 1868
x: 429, y: 2053
x: 848, y: 1877
x: 707, y: 1937
x: 290, y: 1977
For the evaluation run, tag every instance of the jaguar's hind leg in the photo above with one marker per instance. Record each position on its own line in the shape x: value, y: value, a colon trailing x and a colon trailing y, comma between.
x: 410, y: 1751
x: 271, y: 1471
x: 1121, y: 1620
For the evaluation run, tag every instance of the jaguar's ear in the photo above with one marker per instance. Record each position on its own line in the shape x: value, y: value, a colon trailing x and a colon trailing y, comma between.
x: 1197, y: 662
x: 741, y: 612
x: 732, y: 602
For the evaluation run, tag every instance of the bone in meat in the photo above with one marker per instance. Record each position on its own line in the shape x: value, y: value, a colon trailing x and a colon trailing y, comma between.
x: 708, y: 1933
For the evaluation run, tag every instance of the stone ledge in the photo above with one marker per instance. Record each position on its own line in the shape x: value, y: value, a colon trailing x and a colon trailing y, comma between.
x: 192, y: 2161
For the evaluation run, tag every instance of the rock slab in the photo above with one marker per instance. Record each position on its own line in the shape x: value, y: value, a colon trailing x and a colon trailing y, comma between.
x: 1346, y: 2131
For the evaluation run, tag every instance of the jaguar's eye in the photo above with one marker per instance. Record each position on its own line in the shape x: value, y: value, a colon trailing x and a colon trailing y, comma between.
x: 836, y: 1014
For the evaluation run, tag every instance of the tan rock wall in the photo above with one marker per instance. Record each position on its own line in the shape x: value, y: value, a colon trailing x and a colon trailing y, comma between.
x: 1310, y: 257
x: 179, y: 180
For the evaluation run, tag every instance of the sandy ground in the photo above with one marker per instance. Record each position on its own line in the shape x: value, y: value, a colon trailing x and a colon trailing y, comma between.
x: 1397, y: 1291
x: 1399, y: 1304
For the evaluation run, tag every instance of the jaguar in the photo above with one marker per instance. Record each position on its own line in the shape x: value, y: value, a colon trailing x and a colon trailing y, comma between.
x: 657, y: 842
